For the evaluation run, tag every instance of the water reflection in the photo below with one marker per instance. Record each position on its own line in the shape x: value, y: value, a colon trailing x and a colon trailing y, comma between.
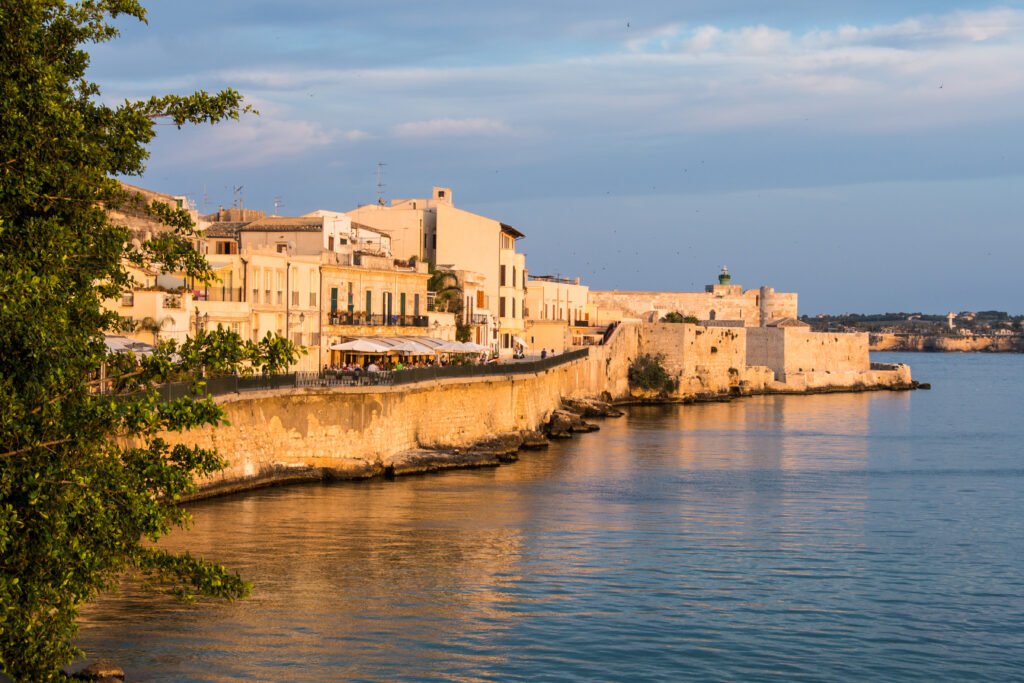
x: 727, y: 540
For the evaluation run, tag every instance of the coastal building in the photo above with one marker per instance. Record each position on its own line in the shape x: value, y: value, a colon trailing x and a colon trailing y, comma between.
x: 557, y: 312
x: 433, y: 229
x: 371, y: 296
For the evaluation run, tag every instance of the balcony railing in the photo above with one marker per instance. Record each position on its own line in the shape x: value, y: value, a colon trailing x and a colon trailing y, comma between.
x: 377, y: 320
x: 219, y: 294
x: 478, y: 319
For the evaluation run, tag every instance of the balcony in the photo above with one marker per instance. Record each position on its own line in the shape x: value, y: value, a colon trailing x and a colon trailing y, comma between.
x: 377, y: 320
x: 478, y: 319
x: 219, y: 294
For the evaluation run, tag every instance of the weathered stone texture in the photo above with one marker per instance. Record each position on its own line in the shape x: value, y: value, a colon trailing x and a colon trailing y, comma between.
x: 354, y: 432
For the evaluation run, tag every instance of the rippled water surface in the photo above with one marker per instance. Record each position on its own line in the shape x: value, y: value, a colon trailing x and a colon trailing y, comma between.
x: 840, y: 537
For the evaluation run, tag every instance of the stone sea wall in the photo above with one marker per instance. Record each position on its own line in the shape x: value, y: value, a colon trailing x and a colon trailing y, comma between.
x: 357, y: 432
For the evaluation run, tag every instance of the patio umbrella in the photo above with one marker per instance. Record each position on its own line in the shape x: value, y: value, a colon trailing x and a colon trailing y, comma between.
x: 361, y: 346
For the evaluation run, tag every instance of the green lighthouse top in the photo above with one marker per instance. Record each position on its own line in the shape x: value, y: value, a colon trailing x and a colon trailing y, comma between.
x: 723, y: 277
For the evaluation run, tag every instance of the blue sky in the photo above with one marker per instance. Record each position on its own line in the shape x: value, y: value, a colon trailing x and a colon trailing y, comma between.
x: 868, y: 155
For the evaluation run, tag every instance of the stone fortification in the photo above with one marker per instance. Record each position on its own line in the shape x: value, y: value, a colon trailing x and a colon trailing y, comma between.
x: 793, y: 350
x: 710, y: 361
x: 355, y: 432
x: 754, y: 307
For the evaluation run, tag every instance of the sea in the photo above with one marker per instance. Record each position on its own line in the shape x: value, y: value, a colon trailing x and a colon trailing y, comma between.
x: 844, y: 537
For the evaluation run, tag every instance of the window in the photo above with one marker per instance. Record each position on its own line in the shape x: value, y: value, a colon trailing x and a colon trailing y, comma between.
x: 480, y: 298
x: 312, y: 299
x: 513, y: 307
x: 330, y: 243
x: 128, y: 299
x: 295, y: 297
x: 369, y: 302
x: 226, y: 247
x: 282, y: 247
x: 401, y: 304
x: 415, y: 304
x: 501, y: 307
x: 440, y: 194
x: 334, y: 299
x: 501, y: 277
x: 513, y: 276
x: 351, y: 299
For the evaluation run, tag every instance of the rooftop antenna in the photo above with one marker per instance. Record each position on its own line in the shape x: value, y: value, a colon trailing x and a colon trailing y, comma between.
x: 277, y: 203
x: 380, y: 185
x: 238, y: 196
x: 206, y: 198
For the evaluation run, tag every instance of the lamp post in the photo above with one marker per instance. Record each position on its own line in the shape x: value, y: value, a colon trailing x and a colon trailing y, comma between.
x: 202, y: 321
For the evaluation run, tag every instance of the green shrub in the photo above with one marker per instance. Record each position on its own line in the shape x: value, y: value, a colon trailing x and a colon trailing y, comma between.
x: 648, y: 373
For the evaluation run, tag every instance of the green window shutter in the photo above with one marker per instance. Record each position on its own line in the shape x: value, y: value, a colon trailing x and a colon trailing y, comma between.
x: 369, y: 302
x: 334, y: 299
x: 401, y: 304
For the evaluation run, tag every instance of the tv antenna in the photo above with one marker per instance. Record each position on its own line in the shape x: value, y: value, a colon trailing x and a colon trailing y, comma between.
x: 277, y: 204
x: 238, y: 196
x: 206, y: 198
x: 380, y: 185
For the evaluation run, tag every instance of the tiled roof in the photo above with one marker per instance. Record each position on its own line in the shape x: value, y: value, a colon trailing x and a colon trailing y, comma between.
x: 286, y: 224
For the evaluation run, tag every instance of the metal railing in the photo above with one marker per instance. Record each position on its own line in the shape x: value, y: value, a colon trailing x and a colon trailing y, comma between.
x: 218, y: 294
x: 220, y: 386
x: 338, y: 318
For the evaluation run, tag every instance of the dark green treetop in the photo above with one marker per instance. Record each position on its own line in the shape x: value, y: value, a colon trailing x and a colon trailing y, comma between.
x: 86, y: 484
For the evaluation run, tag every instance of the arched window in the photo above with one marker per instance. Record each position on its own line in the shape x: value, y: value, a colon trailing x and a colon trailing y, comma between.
x: 711, y: 316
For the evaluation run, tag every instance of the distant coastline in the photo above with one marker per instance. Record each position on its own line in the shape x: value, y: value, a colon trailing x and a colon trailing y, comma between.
x: 950, y: 343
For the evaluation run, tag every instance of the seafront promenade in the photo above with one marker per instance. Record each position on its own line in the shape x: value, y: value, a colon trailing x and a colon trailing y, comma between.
x: 306, y: 427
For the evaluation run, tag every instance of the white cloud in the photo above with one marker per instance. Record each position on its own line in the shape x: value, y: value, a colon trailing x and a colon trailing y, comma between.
x: 452, y: 128
x: 255, y: 142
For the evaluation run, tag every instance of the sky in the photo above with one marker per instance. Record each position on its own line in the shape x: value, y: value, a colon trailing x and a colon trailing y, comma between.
x: 868, y: 155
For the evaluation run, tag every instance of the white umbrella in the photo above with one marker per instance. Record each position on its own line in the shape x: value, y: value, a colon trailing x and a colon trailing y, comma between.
x: 519, y: 340
x: 361, y: 346
x: 471, y: 346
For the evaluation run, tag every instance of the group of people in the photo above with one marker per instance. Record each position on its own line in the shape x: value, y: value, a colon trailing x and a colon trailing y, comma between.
x: 386, y: 364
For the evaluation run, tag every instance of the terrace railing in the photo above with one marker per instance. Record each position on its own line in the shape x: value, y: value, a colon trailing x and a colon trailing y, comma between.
x: 220, y: 386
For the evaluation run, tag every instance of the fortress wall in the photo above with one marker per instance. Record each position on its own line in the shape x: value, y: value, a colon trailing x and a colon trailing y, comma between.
x: 766, y: 347
x: 355, y: 432
x: 790, y: 350
x: 807, y: 351
x: 745, y: 306
x: 702, y: 359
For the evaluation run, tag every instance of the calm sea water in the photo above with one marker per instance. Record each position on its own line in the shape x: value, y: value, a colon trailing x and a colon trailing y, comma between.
x: 843, y: 537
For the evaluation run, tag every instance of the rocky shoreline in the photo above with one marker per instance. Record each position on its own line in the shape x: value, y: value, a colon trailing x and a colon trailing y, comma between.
x: 492, y: 451
x: 504, y: 447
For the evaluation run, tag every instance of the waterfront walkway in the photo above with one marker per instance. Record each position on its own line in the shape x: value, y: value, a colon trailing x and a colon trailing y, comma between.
x: 219, y: 386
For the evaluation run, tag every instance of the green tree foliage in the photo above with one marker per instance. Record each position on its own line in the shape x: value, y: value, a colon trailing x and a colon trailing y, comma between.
x: 648, y: 372
x: 86, y: 484
x: 677, y: 317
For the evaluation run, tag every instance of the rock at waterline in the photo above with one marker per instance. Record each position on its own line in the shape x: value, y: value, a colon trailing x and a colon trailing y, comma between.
x: 563, y: 424
x: 102, y: 671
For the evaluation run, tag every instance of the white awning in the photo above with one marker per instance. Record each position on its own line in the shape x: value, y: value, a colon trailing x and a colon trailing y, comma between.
x: 521, y: 342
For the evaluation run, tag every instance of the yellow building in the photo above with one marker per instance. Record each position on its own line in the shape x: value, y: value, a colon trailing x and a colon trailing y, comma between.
x: 366, y: 296
x: 557, y: 313
x: 433, y: 229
